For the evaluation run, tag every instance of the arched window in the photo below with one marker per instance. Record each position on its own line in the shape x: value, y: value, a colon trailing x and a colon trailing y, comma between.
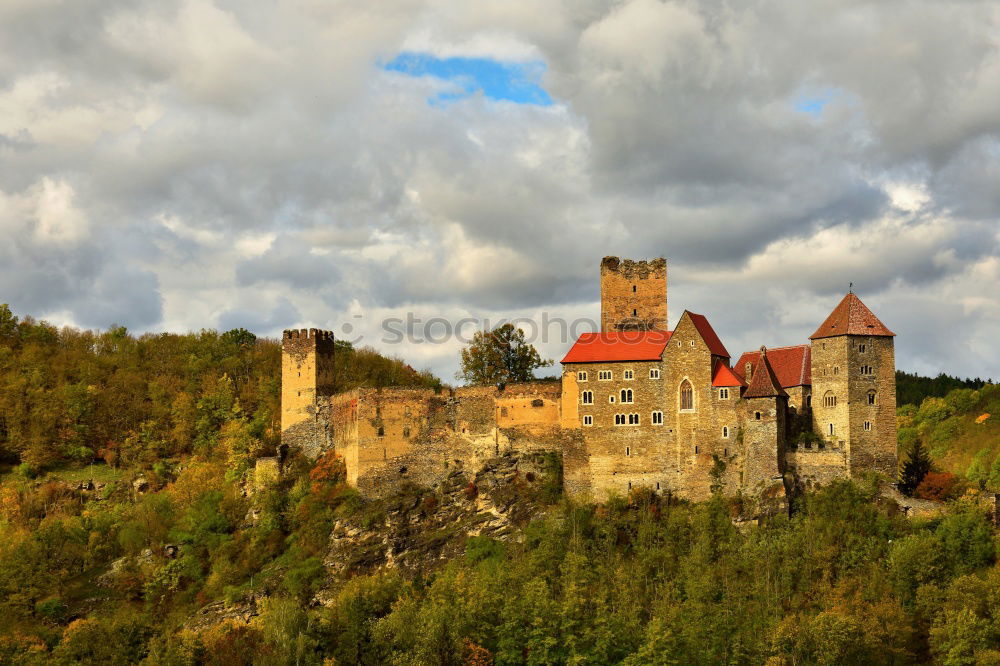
x: 626, y: 395
x: 829, y: 399
x: 809, y: 401
x: 687, y: 395
x: 871, y: 397
x: 633, y: 289
x: 588, y: 397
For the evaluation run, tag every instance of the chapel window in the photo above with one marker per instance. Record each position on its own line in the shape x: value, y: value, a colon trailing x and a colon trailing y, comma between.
x: 687, y: 395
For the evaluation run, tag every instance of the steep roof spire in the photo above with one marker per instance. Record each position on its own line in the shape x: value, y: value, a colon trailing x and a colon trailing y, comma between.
x: 764, y: 383
x: 851, y: 317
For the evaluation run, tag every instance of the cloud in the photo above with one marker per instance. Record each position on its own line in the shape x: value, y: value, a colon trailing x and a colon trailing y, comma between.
x: 202, y: 163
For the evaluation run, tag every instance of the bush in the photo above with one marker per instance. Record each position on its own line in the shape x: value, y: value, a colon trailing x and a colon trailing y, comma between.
x: 937, y: 486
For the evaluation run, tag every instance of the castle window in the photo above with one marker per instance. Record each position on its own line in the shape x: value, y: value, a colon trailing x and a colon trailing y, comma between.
x: 691, y: 343
x: 696, y: 449
x: 725, y: 432
x: 619, y: 419
x: 829, y: 400
x: 633, y: 289
x: 809, y: 401
x: 861, y: 348
x: 628, y: 451
x: 587, y: 397
x: 300, y: 374
x: 628, y: 374
x: 868, y: 425
x: 756, y: 416
x: 406, y: 432
x: 871, y: 397
x: 723, y: 394
x: 656, y: 418
x: 604, y: 375
x: 381, y: 431
x: 831, y: 429
x: 687, y: 396
x: 836, y: 369
x: 654, y: 373
x: 611, y: 398
x: 633, y: 419
x: 581, y: 376
x: 866, y: 370
x: 635, y: 313
x: 588, y: 420
x: 627, y: 396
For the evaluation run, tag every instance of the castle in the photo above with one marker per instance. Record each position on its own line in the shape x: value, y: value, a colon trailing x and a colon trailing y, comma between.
x: 637, y: 406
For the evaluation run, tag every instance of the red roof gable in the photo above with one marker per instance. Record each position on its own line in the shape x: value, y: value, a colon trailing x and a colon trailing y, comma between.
x: 764, y: 384
x: 618, y: 346
x: 851, y: 317
x: 792, y: 365
x: 707, y: 334
x: 723, y: 376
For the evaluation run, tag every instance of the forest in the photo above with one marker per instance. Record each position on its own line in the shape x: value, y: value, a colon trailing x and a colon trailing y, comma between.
x: 128, y: 513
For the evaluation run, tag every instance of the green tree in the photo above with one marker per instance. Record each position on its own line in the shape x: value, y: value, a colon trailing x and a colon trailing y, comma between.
x: 8, y: 322
x: 917, y: 464
x: 500, y: 357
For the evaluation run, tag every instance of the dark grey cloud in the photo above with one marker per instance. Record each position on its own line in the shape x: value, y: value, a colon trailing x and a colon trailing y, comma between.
x: 219, y: 163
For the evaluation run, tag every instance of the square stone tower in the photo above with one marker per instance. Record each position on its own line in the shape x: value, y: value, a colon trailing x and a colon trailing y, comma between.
x: 633, y: 295
x: 306, y: 379
x: 854, y: 387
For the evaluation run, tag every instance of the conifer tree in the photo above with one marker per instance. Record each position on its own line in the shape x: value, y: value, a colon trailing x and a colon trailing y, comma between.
x: 917, y: 464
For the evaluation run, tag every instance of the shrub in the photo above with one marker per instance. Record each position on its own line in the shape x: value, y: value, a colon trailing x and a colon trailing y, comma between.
x: 938, y: 486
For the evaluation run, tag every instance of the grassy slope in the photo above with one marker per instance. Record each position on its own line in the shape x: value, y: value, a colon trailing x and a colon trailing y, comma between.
x: 959, y: 439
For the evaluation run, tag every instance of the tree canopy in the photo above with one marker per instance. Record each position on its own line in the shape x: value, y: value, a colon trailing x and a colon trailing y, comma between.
x: 500, y: 357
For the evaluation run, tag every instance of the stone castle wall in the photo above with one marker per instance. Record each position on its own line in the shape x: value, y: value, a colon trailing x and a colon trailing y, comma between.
x: 306, y: 378
x: 633, y: 294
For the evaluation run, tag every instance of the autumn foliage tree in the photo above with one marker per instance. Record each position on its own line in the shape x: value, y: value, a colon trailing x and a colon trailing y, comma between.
x: 500, y: 357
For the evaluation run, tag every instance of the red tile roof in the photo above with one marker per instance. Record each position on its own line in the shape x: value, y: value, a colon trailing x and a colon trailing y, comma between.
x: 791, y: 365
x: 763, y: 383
x: 851, y: 317
x: 707, y: 334
x: 723, y: 376
x: 618, y: 346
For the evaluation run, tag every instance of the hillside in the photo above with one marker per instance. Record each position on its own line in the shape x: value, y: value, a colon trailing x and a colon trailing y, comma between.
x: 961, y: 432
x: 136, y: 526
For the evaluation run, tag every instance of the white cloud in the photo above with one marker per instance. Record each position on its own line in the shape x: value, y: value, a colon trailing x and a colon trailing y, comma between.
x: 206, y: 163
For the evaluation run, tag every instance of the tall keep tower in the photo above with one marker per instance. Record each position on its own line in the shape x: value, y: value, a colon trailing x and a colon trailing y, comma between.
x: 854, y: 387
x: 306, y: 378
x: 633, y: 295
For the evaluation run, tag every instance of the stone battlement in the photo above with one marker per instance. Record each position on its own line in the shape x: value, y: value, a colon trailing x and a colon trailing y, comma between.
x: 630, y: 268
x: 307, y: 333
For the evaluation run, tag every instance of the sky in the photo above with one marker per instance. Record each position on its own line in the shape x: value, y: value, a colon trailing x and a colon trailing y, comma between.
x: 400, y: 172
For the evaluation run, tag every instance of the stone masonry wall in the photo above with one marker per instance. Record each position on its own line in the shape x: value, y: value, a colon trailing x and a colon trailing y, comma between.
x: 633, y: 294
x: 306, y: 378
x: 618, y: 457
x: 873, y: 448
x: 830, y: 369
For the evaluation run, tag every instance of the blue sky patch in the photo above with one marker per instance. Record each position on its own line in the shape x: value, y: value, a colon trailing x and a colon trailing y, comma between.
x: 510, y: 81
x: 815, y: 101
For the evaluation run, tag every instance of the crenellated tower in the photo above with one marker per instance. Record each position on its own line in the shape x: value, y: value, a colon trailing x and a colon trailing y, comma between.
x: 633, y: 295
x: 854, y: 387
x: 306, y: 379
